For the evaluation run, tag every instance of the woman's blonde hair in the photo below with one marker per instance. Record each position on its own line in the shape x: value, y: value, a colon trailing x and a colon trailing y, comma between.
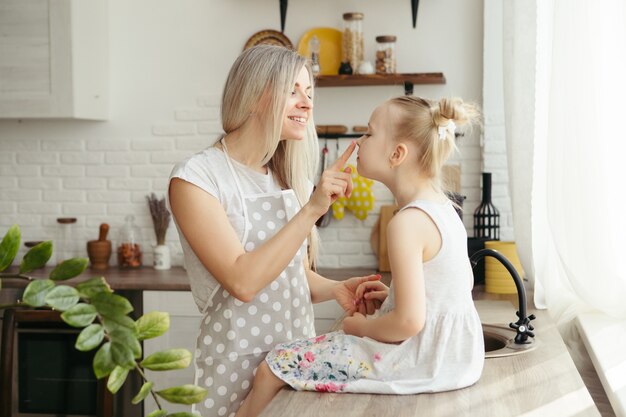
x: 420, y: 120
x: 259, y: 82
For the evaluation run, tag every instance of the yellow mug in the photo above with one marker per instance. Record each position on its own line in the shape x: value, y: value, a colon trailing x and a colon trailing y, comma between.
x: 497, y: 278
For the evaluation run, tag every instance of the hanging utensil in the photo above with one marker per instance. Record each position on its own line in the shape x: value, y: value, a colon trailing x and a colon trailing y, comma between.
x: 325, y: 219
x: 283, y: 14
x: 414, y: 7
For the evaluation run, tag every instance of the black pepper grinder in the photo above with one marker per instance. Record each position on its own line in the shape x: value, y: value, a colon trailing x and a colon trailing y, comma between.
x: 345, y: 68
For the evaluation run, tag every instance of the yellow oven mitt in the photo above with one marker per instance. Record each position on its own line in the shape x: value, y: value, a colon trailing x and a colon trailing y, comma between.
x: 360, y: 202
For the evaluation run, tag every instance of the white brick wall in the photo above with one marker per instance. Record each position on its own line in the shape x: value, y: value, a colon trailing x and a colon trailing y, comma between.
x: 103, y: 181
x: 494, y: 144
x: 101, y: 171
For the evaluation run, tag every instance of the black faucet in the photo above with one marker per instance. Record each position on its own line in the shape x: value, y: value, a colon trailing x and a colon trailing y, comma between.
x: 522, y: 326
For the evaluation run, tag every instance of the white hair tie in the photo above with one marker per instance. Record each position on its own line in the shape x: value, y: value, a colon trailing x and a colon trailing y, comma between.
x: 450, y: 127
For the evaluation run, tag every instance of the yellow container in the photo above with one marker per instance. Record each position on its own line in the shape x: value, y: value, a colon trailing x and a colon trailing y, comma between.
x: 497, y: 278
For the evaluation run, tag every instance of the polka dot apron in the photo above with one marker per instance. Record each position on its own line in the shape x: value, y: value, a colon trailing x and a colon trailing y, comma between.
x: 234, y: 336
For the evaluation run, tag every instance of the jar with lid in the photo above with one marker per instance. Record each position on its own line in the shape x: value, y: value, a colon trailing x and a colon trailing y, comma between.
x: 352, y: 39
x: 314, y: 55
x: 129, y: 245
x: 65, y: 245
x: 386, y: 54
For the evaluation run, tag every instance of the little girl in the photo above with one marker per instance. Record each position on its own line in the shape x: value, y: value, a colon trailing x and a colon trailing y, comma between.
x: 427, y: 336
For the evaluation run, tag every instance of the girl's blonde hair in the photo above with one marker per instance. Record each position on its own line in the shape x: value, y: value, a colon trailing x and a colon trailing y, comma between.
x: 419, y: 121
x: 259, y: 82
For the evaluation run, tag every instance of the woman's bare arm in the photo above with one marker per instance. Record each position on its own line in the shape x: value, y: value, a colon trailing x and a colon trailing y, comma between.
x: 204, y: 223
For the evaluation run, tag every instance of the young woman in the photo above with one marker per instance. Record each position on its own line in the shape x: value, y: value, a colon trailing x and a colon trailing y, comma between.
x: 245, y: 215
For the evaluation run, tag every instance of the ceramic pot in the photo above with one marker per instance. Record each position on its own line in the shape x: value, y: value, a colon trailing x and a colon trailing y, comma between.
x: 497, y: 278
x: 162, y: 258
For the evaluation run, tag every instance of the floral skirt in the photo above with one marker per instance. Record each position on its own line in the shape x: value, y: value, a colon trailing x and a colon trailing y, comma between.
x: 326, y: 363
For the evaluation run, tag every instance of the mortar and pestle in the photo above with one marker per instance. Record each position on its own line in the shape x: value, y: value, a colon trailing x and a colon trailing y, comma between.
x: 99, y: 251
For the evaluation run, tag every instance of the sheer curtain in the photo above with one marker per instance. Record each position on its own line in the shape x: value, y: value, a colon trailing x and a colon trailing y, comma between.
x: 565, y: 106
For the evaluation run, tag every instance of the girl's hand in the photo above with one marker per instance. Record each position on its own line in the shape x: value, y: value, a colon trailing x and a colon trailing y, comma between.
x: 372, y: 290
x: 345, y: 294
x: 355, y: 325
x: 335, y: 182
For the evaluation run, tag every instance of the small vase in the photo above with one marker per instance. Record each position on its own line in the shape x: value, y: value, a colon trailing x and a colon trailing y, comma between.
x: 162, y: 258
x: 487, y: 216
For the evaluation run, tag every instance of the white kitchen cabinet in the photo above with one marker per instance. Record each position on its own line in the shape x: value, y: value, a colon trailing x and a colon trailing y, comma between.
x: 184, y: 325
x: 54, y: 59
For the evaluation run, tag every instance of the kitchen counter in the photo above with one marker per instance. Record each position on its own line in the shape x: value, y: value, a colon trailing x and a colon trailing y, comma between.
x: 541, y: 382
x: 146, y: 278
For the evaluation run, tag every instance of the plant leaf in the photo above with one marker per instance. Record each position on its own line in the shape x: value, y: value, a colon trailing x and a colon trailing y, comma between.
x: 90, y: 338
x: 117, y: 379
x: 93, y: 286
x: 80, y: 315
x: 127, y: 338
x: 167, y: 360
x: 69, y: 269
x: 152, y: 324
x: 62, y: 297
x: 122, y: 355
x: 35, y: 293
x: 158, y: 413
x: 36, y: 257
x: 143, y: 393
x: 9, y: 247
x: 103, y: 361
x: 184, y: 394
x: 111, y: 304
x: 117, y: 321
x: 182, y: 414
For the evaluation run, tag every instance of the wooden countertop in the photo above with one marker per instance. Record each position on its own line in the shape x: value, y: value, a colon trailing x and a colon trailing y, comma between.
x: 542, y: 382
x: 150, y: 279
x: 146, y: 278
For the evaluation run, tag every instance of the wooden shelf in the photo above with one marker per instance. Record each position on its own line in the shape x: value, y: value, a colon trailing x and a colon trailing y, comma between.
x: 378, y: 79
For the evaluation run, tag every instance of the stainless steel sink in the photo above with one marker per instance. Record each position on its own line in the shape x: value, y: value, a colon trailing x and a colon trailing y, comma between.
x: 500, y: 342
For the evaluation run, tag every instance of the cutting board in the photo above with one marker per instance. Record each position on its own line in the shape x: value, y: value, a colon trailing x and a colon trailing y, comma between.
x: 378, y: 237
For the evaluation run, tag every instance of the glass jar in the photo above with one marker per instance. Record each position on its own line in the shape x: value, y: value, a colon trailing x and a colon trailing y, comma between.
x: 386, y: 54
x: 65, y: 245
x: 129, y: 247
x: 314, y: 55
x: 352, y: 39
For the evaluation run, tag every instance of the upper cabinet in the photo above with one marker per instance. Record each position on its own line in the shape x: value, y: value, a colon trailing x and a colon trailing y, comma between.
x: 54, y: 59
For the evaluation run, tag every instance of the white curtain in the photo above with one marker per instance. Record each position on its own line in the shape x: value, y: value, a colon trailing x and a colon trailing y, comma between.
x: 565, y: 106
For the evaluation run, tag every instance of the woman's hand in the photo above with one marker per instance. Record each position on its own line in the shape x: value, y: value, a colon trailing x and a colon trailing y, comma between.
x: 372, y: 292
x: 355, y: 325
x: 335, y: 182
x: 345, y: 292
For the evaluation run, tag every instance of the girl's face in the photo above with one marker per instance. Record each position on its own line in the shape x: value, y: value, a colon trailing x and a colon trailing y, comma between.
x: 298, y: 108
x: 375, y: 145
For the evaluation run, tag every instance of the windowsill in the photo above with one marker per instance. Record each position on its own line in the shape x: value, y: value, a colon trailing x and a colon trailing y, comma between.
x: 605, y: 338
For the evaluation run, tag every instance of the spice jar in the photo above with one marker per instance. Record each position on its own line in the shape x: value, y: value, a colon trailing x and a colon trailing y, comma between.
x: 129, y: 250
x: 352, y: 39
x: 65, y: 244
x: 386, y: 54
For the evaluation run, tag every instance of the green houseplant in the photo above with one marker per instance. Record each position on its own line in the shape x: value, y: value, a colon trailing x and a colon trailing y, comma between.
x: 103, y: 315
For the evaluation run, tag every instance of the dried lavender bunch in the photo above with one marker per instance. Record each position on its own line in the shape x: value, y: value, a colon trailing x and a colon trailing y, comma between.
x: 160, y: 217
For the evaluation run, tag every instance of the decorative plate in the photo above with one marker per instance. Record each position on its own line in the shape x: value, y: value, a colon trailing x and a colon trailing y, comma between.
x: 330, y: 48
x: 268, y: 37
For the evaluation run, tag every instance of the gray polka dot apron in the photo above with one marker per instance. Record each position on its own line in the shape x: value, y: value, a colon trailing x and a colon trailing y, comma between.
x: 235, y: 336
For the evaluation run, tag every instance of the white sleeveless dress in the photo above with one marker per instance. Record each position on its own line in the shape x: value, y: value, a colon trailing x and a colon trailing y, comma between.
x: 447, y: 354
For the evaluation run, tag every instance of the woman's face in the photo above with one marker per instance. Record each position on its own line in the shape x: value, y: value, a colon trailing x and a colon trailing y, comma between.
x: 298, y: 108
x: 374, y: 146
